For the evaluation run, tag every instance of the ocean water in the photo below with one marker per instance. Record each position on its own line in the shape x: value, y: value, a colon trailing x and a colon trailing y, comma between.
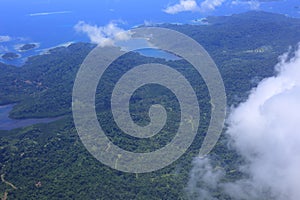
x: 50, y: 23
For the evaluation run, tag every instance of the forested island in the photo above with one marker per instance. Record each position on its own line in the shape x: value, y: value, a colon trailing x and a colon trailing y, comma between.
x: 49, y: 161
x: 27, y: 47
x: 10, y: 56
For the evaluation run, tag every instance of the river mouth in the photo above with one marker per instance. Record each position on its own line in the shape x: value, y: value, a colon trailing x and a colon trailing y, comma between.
x: 7, y: 123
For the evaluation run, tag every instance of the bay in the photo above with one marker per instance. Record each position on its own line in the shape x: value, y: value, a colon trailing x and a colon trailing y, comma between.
x: 6, y: 123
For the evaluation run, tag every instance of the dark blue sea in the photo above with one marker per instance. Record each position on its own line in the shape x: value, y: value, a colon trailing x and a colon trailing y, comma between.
x: 50, y: 23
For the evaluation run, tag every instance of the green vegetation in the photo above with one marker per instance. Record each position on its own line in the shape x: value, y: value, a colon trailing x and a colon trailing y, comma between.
x: 48, y: 161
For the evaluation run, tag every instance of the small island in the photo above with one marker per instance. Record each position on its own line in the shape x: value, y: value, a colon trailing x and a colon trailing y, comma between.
x: 27, y: 47
x: 10, y: 56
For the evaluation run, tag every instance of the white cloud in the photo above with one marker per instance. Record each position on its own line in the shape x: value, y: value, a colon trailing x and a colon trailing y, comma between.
x: 208, y: 5
x: 265, y: 132
x: 3, y: 49
x: 192, y: 5
x: 252, y: 4
x: 182, y: 6
x: 5, y: 38
x: 103, y: 35
x: 49, y: 13
x: 148, y: 23
x: 204, y: 175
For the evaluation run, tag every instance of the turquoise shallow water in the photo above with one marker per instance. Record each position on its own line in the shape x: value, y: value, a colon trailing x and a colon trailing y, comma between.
x: 158, y: 54
x: 7, y: 123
